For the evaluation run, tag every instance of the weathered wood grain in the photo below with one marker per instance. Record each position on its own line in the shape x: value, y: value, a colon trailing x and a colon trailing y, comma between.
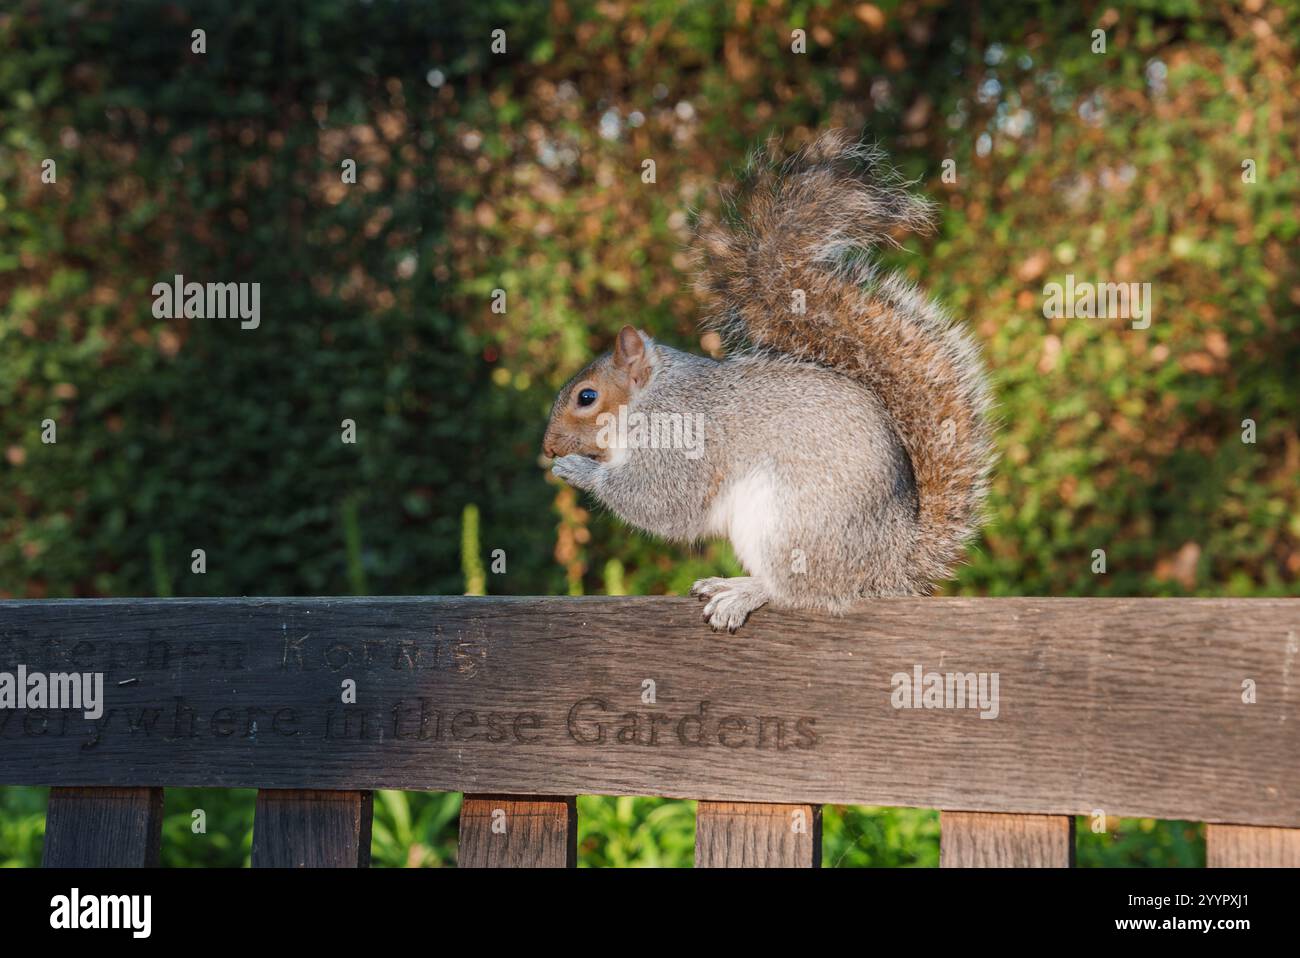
x: 757, y: 835
x: 103, y: 828
x: 1245, y: 846
x: 310, y: 828
x: 506, y: 831
x: 1132, y: 705
x: 992, y: 840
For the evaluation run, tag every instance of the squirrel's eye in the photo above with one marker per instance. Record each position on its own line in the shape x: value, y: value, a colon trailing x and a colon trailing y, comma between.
x: 586, y: 397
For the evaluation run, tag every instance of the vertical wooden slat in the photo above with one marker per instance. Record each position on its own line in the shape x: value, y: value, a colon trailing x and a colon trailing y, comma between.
x: 103, y: 828
x: 312, y: 828
x: 518, y: 831
x: 1246, y: 846
x: 996, y: 840
x: 757, y: 835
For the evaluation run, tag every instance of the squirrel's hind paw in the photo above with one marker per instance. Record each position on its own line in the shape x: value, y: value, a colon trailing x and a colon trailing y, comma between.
x: 708, y: 588
x: 730, y: 600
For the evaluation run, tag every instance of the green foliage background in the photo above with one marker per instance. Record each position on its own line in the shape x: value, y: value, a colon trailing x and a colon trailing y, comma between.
x: 522, y: 171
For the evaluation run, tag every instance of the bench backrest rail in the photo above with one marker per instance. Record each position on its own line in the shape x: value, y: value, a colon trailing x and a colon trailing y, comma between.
x: 1044, y: 709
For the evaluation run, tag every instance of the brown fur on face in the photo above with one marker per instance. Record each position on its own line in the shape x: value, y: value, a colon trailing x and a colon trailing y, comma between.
x: 616, y: 377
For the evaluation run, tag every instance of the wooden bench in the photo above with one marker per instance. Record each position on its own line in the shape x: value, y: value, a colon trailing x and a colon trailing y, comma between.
x: 1165, y: 708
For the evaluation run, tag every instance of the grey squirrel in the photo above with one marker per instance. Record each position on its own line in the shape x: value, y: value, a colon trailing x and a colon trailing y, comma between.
x: 846, y: 444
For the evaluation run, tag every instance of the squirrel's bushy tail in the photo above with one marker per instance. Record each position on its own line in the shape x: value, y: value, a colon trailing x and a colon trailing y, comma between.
x: 786, y: 271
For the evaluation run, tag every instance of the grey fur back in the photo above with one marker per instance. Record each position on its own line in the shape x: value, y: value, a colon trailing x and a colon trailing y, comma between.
x: 802, y: 228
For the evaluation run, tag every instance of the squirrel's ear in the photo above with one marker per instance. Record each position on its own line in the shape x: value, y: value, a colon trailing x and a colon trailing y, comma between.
x: 631, y: 356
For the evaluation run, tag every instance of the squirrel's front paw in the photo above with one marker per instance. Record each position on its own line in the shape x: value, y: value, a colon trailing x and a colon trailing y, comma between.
x: 578, y: 471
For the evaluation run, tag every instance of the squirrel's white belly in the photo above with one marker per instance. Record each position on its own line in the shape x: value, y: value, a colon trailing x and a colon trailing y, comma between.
x: 745, y: 512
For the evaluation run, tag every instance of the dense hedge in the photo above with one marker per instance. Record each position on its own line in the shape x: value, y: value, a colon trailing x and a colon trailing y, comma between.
x: 196, y: 434
x: 522, y: 172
